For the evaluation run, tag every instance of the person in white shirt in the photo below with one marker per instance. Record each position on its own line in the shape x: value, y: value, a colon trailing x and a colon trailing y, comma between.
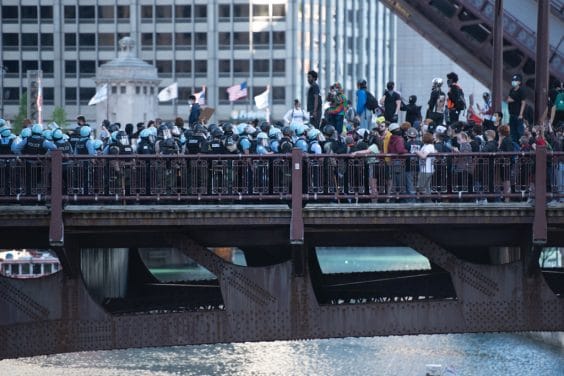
x: 296, y: 116
x: 426, y: 164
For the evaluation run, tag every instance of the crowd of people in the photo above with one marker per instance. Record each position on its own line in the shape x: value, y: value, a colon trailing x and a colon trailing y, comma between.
x: 370, y: 126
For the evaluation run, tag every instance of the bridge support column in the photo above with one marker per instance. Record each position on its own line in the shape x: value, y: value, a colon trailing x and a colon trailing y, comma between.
x: 541, y: 64
x: 497, y: 61
x: 299, y: 260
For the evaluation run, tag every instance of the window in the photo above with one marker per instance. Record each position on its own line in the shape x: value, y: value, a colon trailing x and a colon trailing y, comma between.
x: 279, y: 39
x: 279, y: 94
x: 241, y: 12
x: 86, y: 13
x: 48, y: 94
x: 87, y: 41
x: 10, y: 40
x: 26, y: 269
x: 47, y: 40
x: 260, y: 10
x: 29, y: 65
x: 147, y: 12
x: 12, y: 66
x: 240, y: 40
x: 224, y: 11
x: 123, y: 12
x: 164, y: 67
x: 146, y: 40
x: 47, y: 68
x: 87, y: 67
x: 85, y: 93
x: 241, y: 67
x: 29, y: 40
x: 11, y: 95
x: 183, y: 67
x: 184, y: 93
x: 223, y: 96
x: 106, y: 40
x: 201, y: 67
x: 201, y: 12
x: 70, y: 40
x: 201, y: 40
x: 183, y: 11
x: 278, y: 10
x: 70, y: 13
x: 224, y: 67
x: 163, y: 40
x: 114, y: 89
x: 261, y: 38
x: 183, y: 39
x: 9, y: 13
x: 261, y: 67
x: 224, y: 39
x: 138, y: 90
x: 48, y: 268
x: 279, y: 66
x: 70, y: 68
x: 29, y: 13
x: 105, y: 13
x: 163, y: 12
x: 46, y: 13
x: 122, y: 89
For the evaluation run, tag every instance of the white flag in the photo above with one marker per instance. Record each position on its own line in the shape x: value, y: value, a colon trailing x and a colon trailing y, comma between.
x: 100, y: 96
x: 261, y: 101
x: 168, y: 93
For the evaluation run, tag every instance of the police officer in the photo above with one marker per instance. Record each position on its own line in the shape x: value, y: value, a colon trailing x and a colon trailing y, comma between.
x: 145, y: 146
x: 119, y: 144
x: 84, y: 145
x: 195, y: 140
x: 35, y: 144
x: 215, y: 144
x: 61, y: 142
x: 7, y: 139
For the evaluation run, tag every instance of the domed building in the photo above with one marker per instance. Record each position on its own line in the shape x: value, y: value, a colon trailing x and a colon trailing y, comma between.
x: 132, y: 87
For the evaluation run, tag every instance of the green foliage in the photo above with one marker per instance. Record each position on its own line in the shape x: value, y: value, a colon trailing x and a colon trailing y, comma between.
x: 60, y: 116
x: 22, y: 114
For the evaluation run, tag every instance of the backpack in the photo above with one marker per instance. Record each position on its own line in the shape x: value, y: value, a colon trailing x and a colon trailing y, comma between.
x: 460, y: 104
x: 371, y: 102
x: 559, y: 101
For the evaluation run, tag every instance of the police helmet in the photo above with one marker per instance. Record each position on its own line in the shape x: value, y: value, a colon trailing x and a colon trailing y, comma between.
x: 329, y: 130
x: 262, y: 136
x: 114, y: 127
x: 228, y: 127
x: 97, y: 144
x: 48, y: 134
x: 274, y: 133
x: 37, y: 129
x: 2, y: 123
x: 313, y: 133
x: 301, y: 130
x: 198, y: 128
x: 264, y: 126
x: 217, y: 132
x: 6, y: 132
x: 26, y: 132
x: 58, y: 134
x: 437, y: 81
x: 114, y: 136
x: 85, y: 131
x: 249, y: 129
x: 287, y: 131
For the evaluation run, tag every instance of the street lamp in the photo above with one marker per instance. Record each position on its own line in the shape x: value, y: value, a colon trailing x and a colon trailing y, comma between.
x: 3, y: 70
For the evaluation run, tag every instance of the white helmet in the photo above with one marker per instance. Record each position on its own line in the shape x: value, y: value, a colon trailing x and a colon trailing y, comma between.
x: 437, y: 81
x: 312, y: 134
x: 262, y: 136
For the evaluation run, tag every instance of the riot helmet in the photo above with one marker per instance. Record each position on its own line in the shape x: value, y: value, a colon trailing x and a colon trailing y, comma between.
x: 37, y: 129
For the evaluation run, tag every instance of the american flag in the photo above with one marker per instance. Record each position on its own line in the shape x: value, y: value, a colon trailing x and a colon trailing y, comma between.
x: 237, y: 91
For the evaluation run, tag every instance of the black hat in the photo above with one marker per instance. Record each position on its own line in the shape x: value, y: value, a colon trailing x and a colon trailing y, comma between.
x: 517, y: 77
x: 80, y: 118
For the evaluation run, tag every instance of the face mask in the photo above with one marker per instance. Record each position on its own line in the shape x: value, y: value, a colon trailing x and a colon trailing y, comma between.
x: 494, y: 118
x: 514, y: 83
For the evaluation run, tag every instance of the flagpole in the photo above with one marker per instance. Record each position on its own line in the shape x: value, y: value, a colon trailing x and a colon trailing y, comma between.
x: 107, y: 104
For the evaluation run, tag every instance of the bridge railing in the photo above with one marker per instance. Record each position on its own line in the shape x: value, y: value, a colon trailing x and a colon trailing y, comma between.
x: 324, y: 178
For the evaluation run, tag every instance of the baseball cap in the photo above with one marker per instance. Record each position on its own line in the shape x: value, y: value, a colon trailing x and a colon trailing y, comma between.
x: 440, y: 129
x: 393, y: 127
x: 517, y: 77
x: 411, y: 132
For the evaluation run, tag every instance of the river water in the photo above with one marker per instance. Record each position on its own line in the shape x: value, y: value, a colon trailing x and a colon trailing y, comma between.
x: 457, y: 354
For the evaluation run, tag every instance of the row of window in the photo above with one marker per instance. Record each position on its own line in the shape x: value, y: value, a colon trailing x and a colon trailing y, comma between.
x: 13, y: 41
x: 164, y: 67
x: 84, y: 94
x: 12, y: 13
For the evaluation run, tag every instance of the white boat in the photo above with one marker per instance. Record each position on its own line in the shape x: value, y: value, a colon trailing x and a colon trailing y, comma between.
x: 25, y: 263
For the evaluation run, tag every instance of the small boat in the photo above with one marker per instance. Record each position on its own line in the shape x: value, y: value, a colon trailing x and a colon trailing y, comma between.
x: 24, y: 264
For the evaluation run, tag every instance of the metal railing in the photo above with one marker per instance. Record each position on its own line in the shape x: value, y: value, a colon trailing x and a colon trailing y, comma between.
x: 464, y: 177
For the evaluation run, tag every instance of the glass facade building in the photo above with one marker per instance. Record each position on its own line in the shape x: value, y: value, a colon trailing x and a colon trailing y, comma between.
x: 216, y: 43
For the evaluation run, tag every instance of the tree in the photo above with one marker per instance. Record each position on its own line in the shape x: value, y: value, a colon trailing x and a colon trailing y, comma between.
x: 60, y: 116
x: 22, y: 114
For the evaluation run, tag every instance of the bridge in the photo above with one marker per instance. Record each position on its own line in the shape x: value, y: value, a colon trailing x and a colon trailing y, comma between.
x: 97, y: 214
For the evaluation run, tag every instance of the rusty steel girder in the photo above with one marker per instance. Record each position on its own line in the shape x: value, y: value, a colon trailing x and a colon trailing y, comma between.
x: 276, y: 302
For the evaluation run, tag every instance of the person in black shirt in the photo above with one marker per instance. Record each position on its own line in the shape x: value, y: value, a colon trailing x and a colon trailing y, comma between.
x: 516, y: 105
x: 313, y: 99
x: 391, y: 100
x: 413, y: 112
